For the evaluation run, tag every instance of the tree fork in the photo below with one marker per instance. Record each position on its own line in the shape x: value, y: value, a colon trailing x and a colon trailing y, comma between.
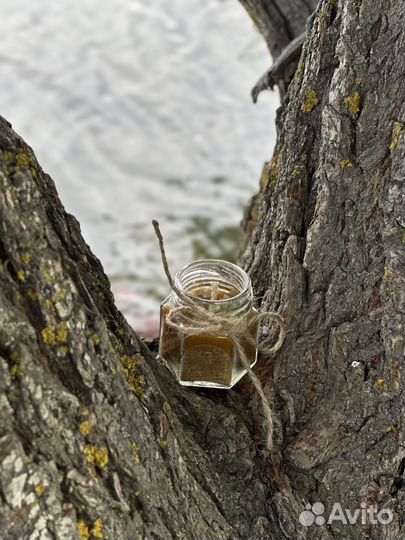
x: 97, y: 440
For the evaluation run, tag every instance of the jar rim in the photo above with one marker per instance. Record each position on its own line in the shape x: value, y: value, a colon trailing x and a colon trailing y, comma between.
x: 245, y: 286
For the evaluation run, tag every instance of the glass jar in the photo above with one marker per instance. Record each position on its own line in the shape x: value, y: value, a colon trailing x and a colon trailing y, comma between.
x: 208, y: 360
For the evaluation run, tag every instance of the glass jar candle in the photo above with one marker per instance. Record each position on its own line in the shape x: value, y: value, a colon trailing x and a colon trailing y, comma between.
x: 208, y: 359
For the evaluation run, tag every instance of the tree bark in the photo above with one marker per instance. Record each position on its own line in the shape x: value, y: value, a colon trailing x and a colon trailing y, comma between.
x: 279, y: 22
x: 97, y: 440
x: 282, y: 25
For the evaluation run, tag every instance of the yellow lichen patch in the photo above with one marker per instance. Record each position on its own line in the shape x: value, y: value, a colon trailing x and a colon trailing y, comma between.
x: 63, y: 350
x: 390, y: 429
x: 48, y: 335
x: 265, y: 174
x: 96, y: 340
x: 163, y: 443
x: 270, y: 173
x: 15, y: 162
x: 48, y: 304
x: 62, y: 333
x: 345, y: 164
x: 39, y: 490
x: 98, y: 528
x: 26, y: 257
x: 380, y: 384
x: 136, y: 382
x: 86, y: 412
x: 22, y: 160
x: 55, y: 334
x: 8, y: 156
x: 83, y: 530
x: 396, y: 132
x: 21, y: 275
x: 353, y: 103
x: 311, y: 101
x: 93, y: 475
x: 85, y: 428
x: 135, y: 452
x: 97, y: 455
x: 387, y: 272
x: 32, y: 295
x: 17, y: 368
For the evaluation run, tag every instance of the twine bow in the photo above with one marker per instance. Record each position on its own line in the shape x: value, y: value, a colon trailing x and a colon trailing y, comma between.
x: 193, y: 319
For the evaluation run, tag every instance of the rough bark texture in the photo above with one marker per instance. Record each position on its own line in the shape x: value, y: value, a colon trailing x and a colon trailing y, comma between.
x: 96, y: 438
x: 328, y: 252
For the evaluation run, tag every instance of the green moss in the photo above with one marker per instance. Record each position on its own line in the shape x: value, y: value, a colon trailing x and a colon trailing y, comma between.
x: 311, y: 101
x: 353, y: 103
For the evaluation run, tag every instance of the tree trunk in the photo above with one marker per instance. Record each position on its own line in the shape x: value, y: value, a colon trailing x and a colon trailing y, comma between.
x: 98, y: 441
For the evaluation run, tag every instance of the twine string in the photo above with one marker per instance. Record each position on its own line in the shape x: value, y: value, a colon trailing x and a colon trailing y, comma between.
x: 193, y: 319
